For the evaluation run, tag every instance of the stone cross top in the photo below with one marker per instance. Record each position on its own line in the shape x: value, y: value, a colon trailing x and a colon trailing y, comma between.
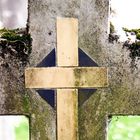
x: 67, y: 77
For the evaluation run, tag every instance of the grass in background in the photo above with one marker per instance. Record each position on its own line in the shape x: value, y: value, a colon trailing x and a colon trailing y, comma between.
x: 22, y: 129
x: 124, y: 128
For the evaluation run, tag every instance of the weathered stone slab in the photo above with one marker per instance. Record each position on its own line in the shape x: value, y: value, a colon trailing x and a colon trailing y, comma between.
x: 93, y: 23
x: 63, y: 77
x: 42, y: 23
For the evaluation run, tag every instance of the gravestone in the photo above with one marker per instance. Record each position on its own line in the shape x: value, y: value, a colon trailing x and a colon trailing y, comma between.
x: 121, y: 97
x: 92, y: 27
x: 66, y: 78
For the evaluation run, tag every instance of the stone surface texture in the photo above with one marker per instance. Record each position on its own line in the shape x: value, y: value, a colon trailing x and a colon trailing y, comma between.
x: 121, y: 97
x: 93, y: 33
x: 16, y: 100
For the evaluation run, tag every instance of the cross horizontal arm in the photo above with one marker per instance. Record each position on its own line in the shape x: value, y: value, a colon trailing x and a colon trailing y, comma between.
x: 66, y: 77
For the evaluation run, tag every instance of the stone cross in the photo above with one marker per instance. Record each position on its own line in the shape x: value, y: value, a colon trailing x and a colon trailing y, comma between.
x: 67, y: 77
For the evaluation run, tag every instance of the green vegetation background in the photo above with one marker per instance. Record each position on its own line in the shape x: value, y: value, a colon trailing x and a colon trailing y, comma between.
x: 22, y: 130
x: 124, y: 128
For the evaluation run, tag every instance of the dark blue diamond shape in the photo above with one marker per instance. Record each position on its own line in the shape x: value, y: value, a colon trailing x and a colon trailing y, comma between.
x: 50, y: 61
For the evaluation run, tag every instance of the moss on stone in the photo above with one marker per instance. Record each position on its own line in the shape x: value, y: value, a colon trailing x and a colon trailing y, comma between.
x: 16, y: 42
x: 112, y: 28
x: 26, y: 102
x: 15, y: 49
x: 77, y: 74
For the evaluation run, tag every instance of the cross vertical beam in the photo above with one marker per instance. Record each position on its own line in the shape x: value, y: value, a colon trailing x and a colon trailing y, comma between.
x: 67, y: 55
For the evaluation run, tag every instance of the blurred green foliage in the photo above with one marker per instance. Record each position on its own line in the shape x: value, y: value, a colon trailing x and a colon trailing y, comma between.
x: 22, y: 130
x: 112, y: 28
x: 124, y: 128
x: 18, y: 39
x: 133, y: 46
x: 135, y: 31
